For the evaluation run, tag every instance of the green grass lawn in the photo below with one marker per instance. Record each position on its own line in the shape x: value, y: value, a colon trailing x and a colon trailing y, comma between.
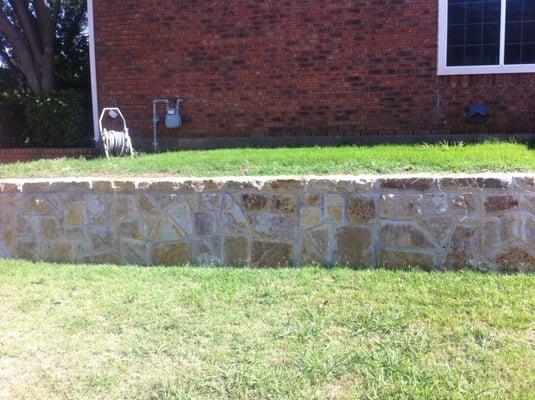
x: 71, y: 332
x: 491, y: 156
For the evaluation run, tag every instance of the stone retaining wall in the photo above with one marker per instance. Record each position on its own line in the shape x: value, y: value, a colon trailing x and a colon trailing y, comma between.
x: 451, y: 222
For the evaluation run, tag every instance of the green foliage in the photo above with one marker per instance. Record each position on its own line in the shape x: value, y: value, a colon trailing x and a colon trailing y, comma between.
x: 384, y: 159
x: 306, y: 333
x: 59, y: 119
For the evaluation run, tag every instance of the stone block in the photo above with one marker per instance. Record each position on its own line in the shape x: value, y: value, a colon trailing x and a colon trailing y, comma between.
x: 136, y: 252
x: 182, y: 215
x: 271, y: 254
x: 395, y: 259
x: 406, y: 235
x: 283, y: 204
x: 254, y: 202
x: 205, y: 223
x: 310, y: 217
x: 361, y: 209
x: 401, y: 206
x: 75, y: 215
x: 475, y: 183
x: 233, y: 220
x: 516, y: 259
x: 284, y: 185
x: 312, y: 199
x: 417, y: 184
x: 37, y: 204
x: 50, y: 228
x: 235, y: 249
x: 207, y: 251
x: 273, y: 226
x: 165, y: 230
x: 500, y: 203
x: 334, y: 207
x: 171, y: 254
x: 354, y: 247
x: 57, y: 252
x: 97, y: 209
x: 462, y: 251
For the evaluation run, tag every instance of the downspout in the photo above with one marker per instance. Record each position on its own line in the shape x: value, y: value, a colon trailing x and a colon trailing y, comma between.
x: 93, y: 68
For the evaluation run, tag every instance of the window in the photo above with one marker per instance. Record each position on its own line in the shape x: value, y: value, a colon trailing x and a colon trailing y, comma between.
x: 486, y: 36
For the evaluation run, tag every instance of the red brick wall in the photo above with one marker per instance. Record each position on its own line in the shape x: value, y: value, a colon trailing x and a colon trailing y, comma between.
x: 299, y: 67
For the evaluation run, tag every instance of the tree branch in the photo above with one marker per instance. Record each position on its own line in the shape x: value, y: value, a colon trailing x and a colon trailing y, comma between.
x: 29, y: 28
x: 24, y: 56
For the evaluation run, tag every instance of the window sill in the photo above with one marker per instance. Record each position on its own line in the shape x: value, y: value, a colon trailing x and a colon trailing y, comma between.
x: 484, y: 69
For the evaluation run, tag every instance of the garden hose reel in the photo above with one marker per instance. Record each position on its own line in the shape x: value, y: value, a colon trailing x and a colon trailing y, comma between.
x: 115, y: 142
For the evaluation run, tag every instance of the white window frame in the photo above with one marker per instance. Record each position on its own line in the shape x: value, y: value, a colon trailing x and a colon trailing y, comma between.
x: 502, y: 68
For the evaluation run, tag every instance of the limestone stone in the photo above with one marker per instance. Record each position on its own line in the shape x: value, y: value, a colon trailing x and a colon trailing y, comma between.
x: 361, y: 209
x: 516, y: 259
x: 210, y: 201
x: 405, y: 235
x: 135, y: 252
x: 124, y: 186
x: 207, y: 251
x: 97, y: 207
x: 129, y: 230
x: 401, y: 206
x: 32, y: 187
x: 401, y: 259
x: 311, y: 199
x: 440, y: 227
x: 283, y: 204
x: 309, y: 254
x: 182, y: 216
x: 417, y: 184
x: 104, y: 186
x: 6, y: 187
x: 528, y: 200
x: 236, y: 251
x: 50, y: 228
x: 436, y: 203
x: 157, y: 203
x: 58, y: 252
x: 499, y: 203
x: 233, y: 220
x: 254, y: 202
x: 477, y: 183
x: 284, y: 185
x: 271, y: 254
x: 354, y: 247
x: 310, y: 217
x: 29, y: 225
x: 4, y: 252
x: 26, y: 248
x: 464, y: 203
x: 37, y: 204
x: 334, y: 208
x: 273, y: 226
x: 205, y: 223
x: 525, y: 183
x: 124, y: 208
x: 171, y: 254
x: 462, y: 250
x: 100, y: 238
x: 165, y: 230
x: 66, y: 186
x: 75, y: 215
x: 109, y: 257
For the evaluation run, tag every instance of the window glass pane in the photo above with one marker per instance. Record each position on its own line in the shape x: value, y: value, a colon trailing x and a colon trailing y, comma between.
x: 520, y: 32
x: 474, y: 32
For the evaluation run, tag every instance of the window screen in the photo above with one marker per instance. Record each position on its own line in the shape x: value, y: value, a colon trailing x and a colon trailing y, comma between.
x: 520, y: 32
x: 474, y: 32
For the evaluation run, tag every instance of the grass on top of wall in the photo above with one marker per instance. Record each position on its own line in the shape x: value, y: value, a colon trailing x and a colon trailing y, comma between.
x: 381, y: 159
x: 91, y: 332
